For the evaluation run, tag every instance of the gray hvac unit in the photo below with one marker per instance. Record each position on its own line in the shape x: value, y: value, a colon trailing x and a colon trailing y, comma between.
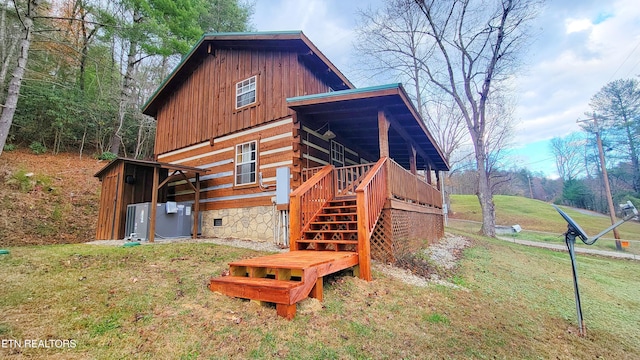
x: 173, y: 220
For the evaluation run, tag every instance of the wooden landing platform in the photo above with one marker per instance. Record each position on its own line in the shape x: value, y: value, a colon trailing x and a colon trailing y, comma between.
x: 328, y: 261
x: 284, y: 279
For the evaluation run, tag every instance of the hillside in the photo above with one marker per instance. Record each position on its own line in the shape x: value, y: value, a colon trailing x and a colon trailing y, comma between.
x: 47, y: 199
x: 536, y: 215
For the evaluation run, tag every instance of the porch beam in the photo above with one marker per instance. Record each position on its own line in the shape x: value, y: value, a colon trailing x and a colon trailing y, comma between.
x: 405, y: 135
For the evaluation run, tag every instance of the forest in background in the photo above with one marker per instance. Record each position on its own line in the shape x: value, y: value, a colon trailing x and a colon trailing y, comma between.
x: 92, y: 64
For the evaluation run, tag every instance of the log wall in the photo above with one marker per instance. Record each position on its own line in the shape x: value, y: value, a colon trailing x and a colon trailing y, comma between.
x: 203, y: 106
x: 274, y: 149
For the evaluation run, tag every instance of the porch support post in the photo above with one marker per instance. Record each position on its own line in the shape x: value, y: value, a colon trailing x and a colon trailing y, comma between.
x: 154, y: 203
x: 428, y: 175
x: 383, y: 139
x: 383, y: 134
x: 196, y: 208
x: 413, y: 167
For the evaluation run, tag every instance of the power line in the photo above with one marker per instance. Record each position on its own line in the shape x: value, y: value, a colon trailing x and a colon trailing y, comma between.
x: 625, y: 60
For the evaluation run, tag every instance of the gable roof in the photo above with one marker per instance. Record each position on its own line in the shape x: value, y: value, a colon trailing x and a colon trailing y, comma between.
x: 313, y: 58
x: 353, y: 114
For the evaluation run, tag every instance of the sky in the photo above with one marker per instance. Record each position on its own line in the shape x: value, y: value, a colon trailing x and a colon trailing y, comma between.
x: 578, y: 47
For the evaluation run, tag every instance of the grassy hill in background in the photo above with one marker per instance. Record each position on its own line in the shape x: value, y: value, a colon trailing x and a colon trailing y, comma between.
x: 537, y: 215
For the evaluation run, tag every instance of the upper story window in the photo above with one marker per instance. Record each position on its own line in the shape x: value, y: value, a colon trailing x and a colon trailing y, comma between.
x: 246, y: 92
x: 337, y: 153
x: 246, y: 155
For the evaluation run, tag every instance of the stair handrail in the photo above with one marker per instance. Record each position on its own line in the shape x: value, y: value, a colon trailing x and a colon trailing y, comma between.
x: 307, y: 200
x: 371, y: 196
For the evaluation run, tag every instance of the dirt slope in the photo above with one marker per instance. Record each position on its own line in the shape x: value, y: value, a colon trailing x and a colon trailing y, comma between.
x: 47, y: 199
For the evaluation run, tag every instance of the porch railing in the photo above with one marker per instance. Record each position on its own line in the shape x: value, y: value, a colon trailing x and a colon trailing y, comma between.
x: 371, y: 196
x: 347, y: 178
x: 307, y: 200
x: 408, y: 187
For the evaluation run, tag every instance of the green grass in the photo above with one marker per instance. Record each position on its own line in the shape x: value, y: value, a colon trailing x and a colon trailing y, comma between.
x: 538, y: 216
x: 152, y: 302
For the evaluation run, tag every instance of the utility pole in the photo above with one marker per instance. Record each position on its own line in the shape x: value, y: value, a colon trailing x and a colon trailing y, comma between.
x: 530, y: 188
x: 605, y: 180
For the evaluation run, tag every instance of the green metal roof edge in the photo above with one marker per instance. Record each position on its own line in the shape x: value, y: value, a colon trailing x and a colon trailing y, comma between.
x: 345, y: 92
x: 249, y: 33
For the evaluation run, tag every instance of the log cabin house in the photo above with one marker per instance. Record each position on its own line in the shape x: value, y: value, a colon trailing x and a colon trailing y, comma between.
x: 246, y: 117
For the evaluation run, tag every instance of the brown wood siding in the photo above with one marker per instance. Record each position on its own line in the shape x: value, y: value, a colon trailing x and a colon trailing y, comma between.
x: 218, y: 191
x: 203, y: 106
x: 109, y: 220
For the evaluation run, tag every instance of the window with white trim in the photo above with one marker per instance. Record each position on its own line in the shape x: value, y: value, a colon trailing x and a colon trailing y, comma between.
x: 246, y: 92
x: 337, y: 153
x: 246, y: 163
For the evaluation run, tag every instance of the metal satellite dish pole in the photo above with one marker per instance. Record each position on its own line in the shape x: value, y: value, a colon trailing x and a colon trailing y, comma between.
x: 574, y: 230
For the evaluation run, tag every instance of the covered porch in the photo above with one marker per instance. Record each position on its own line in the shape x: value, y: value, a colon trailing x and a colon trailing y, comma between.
x: 365, y: 152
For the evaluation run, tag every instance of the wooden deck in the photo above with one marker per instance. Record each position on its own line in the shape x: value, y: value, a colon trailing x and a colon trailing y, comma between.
x: 283, y: 279
x: 333, y: 215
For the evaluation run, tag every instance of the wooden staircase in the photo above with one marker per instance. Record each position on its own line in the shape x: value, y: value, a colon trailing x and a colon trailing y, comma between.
x: 330, y: 228
x: 334, y: 228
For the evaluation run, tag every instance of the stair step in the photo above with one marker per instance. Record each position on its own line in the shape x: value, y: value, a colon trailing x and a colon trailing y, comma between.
x: 344, y: 231
x: 311, y: 241
x: 334, y: 222
x: 339, y: 208
x: 262, y: 289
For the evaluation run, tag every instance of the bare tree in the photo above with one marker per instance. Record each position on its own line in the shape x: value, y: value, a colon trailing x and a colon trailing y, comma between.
x: 392, y: 43
x: 8, y: 44
x: 476, y: 45
x: 13, y: 91
x: 568, y: 153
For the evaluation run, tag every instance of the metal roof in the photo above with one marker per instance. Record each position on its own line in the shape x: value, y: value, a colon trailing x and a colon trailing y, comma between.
x: 148, y: 163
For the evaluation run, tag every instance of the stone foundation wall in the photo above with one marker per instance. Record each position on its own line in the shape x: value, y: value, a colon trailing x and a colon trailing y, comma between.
x: 254, y: 223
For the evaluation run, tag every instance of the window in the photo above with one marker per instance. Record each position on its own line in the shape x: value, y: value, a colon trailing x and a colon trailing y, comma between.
x: 246, y: 92
x: 246, y: 155
x: 337, y: 153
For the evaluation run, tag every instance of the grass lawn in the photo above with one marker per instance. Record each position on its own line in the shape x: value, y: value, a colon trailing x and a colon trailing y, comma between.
x: 152, y: 302
x: 536, y: 216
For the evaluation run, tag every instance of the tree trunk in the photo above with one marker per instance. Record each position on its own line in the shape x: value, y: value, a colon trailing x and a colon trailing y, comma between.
x: 125, y: 97
x: 18, y: 73
x: 485, y: 196
x: 7, y: 48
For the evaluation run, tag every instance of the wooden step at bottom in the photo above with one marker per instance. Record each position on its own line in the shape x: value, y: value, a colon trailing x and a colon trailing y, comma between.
x: 262, y: 289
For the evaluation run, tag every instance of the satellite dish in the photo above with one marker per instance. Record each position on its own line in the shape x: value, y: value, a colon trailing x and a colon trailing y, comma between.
x: 574, y: 230
x: 573, y: 225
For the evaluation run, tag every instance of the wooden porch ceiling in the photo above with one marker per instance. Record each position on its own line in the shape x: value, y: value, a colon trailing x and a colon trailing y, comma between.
x: 353, y: 115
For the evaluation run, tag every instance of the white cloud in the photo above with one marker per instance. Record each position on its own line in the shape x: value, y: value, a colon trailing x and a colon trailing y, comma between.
x: 577, y: 25
x: 582, y: 45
